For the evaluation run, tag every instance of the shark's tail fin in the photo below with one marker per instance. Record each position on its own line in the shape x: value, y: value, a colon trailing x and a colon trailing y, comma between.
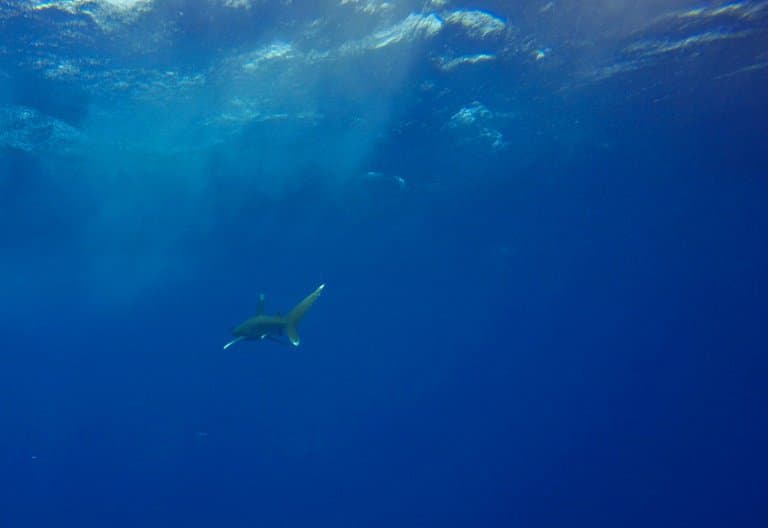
x: 298, y: 311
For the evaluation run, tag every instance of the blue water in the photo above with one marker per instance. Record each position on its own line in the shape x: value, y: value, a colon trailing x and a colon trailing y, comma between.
x: 542, y: 229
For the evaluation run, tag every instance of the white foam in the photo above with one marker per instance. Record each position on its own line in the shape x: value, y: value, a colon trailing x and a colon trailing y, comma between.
x: 603, y: 73
x: 237, y: 4
x: 276, y: 51
x: 746, y: 69
x: 413, y: 27
x: 743, y: 10
x: 648, y: 48
x: 107, y: 14
x: 450, y: 64
x: 478, y: 24
x: 474, y: 121
x: 369, y: 7
x: 470, y: 114
x: 76, y: 6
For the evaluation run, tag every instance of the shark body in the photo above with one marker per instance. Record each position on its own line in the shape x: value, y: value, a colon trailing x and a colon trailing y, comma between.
x: 262, y: 326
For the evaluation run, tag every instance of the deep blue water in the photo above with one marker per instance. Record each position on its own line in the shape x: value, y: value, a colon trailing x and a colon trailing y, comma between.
x: 545, y: 263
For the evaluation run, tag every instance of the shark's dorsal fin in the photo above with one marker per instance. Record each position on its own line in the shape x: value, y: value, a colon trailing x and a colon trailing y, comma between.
x: 260, y: 306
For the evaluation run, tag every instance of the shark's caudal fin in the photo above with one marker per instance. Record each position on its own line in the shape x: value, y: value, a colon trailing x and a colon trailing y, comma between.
x: 294, y: 316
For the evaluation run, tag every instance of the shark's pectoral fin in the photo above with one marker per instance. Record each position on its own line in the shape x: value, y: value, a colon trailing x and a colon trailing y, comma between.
x: 293, y: 335
x: 236, y: 340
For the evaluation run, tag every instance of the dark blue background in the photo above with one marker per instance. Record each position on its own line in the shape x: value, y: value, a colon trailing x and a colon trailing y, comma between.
x: 578, y: 339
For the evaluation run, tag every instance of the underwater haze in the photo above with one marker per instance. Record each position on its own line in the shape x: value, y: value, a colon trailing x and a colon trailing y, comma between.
x: 542, y: 227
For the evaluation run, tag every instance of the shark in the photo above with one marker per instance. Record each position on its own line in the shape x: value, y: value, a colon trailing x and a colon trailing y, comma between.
x: 262, y: 326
